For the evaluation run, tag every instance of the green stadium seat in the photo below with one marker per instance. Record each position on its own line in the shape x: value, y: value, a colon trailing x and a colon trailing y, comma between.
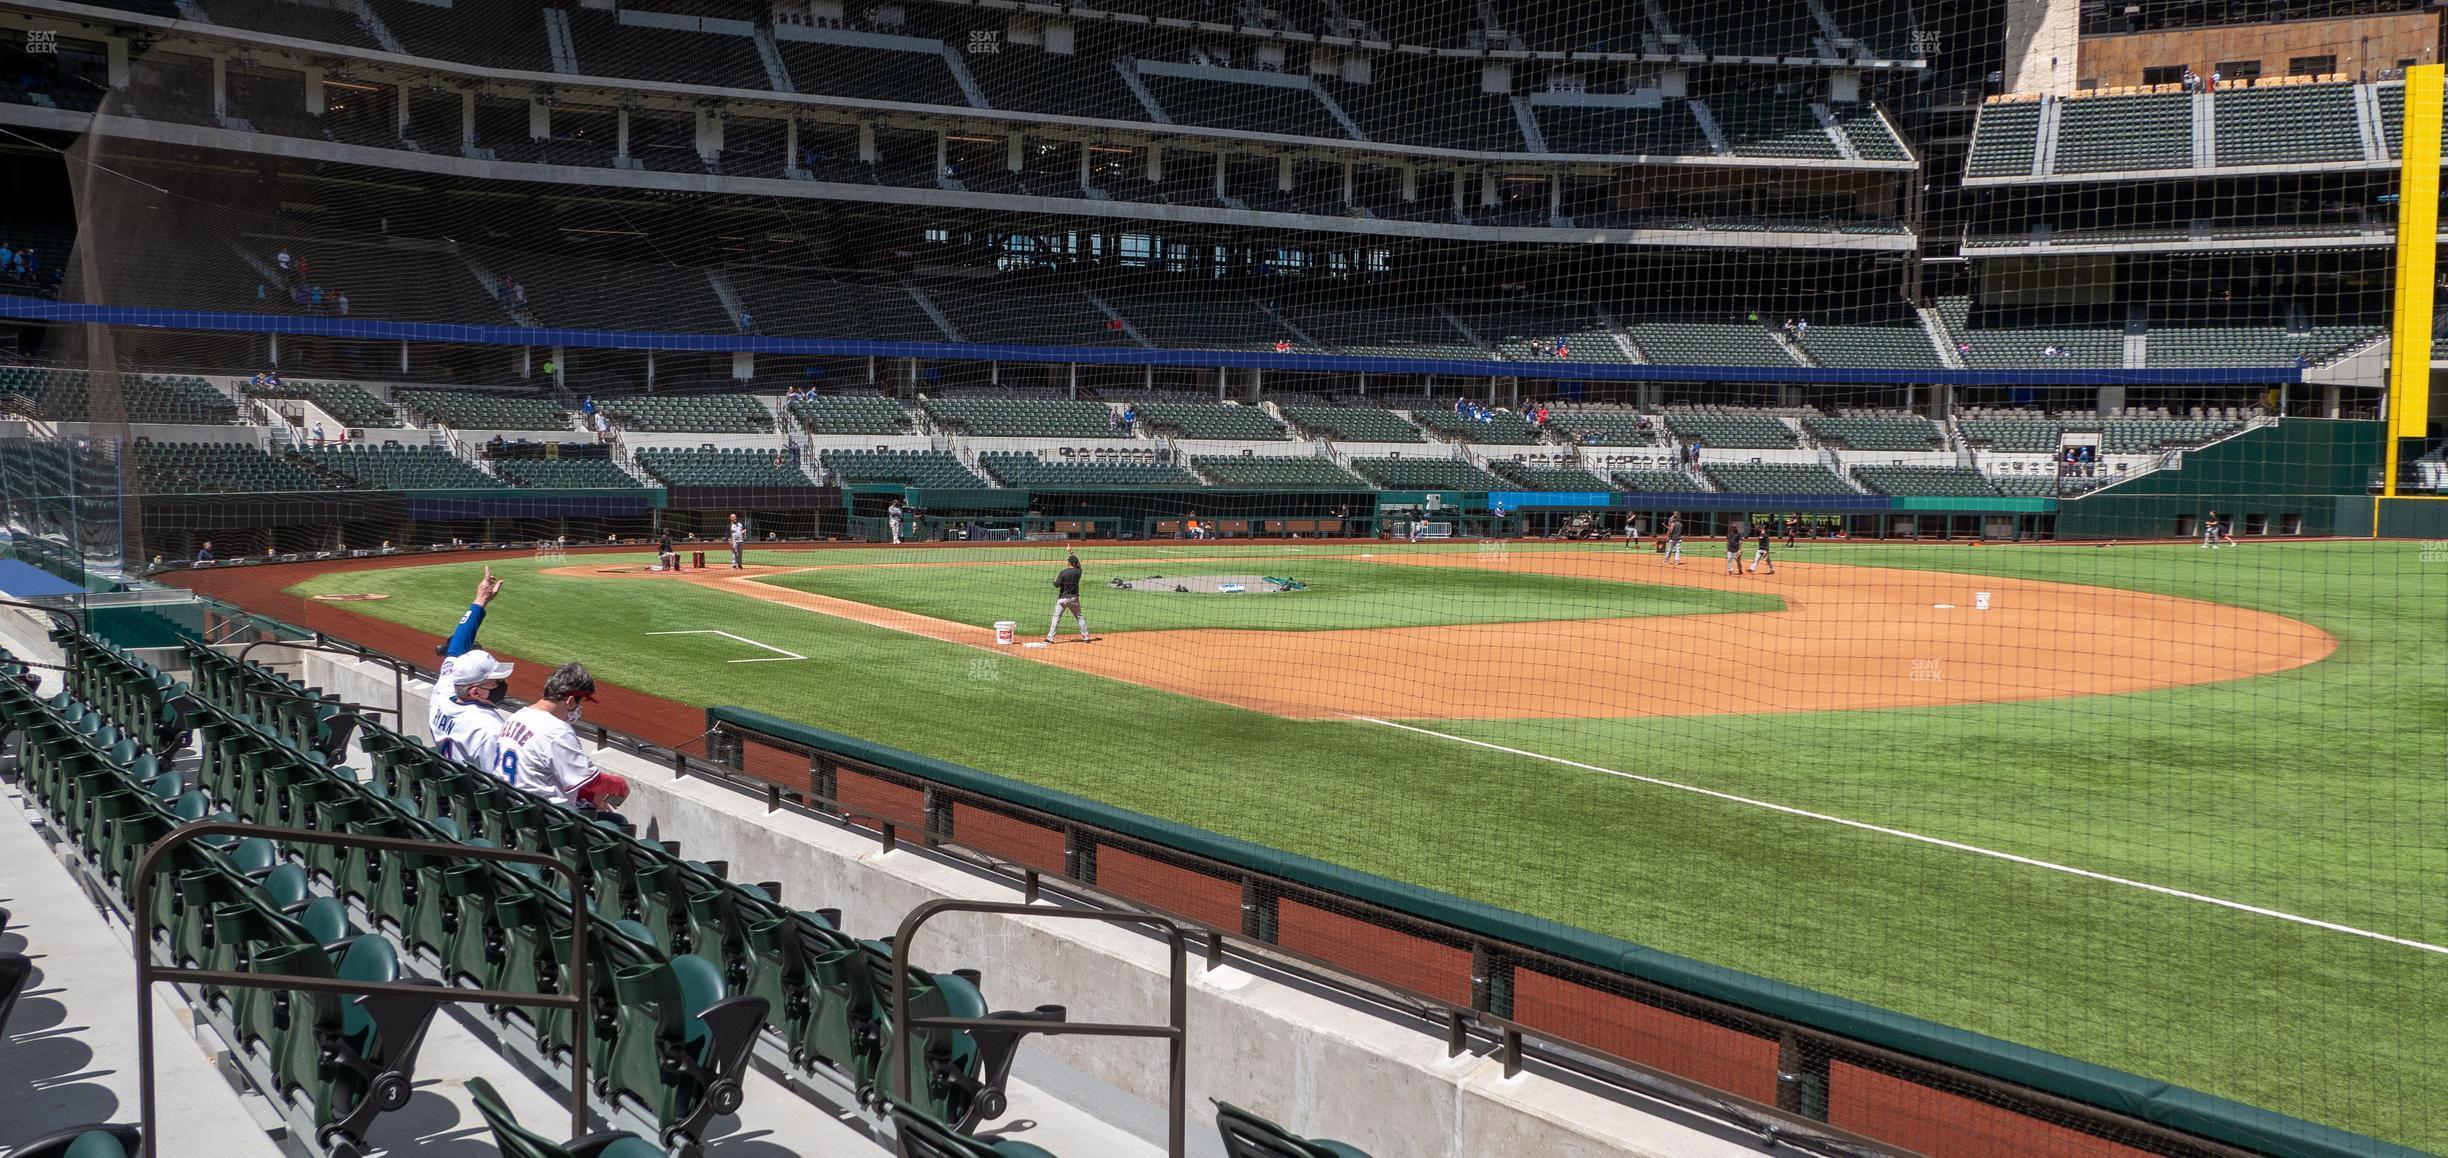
x: 1500, y: 427
x: 1881, y: 432
x: 1775, y: 478
x: 722, y: 467
x: 170, y: 468
x: 850, y: 414
x: 1426, y: 474
x: 1219, y: 421
x: 690, y: 413
x: 1022, y: 469
x: 566, y: 473
x: 1284, y: 472
x: 469, y: 410
x: 1025, y: 417
x: 1548, y: 478
x: 1728, y: 431
x: 400, y: 467
x: 1923, y: 480
x: 516, y: 1141
x: 1246, y: 1135
x: 1351, y: 423
x: 933, y: 469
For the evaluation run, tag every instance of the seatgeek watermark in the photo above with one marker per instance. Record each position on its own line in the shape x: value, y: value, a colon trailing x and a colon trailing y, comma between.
x: 42, y: 42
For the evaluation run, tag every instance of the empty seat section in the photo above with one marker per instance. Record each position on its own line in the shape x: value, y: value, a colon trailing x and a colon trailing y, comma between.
x: 850, y: 414
x: 1567, y: 479
x: 1076, y: 84
x: 1412, y: 474
x: 188, y: 468
x: 1247, y: 107
x: 1698, y: 343
x: 302, y: 21
x: 1429, y: 102
x: 1201, y: 321
x: 913, y: 468
x: 1769, y: 125
x: 2005, y: 140
x: 2289, y: 125
x: 1021, y: 469
x: 1886, y: 432
x: 2142, y: 435
x: 876, y: 74
x: 1217, y: 421
x: 818, y: 304
x: 1873, y: 138
x: 68, y: 396
x: 1988, y: 337
x: 401, y: 467
x: 345, y: 401
x: 722, y: 467
x: 1352, y: 423
x: 1392, y: 331
x: 1026, y: 417
x: 572, y: 290
x: 723, y: 55
x: 2250, y: 345
x: 592, y: 473
x: 2105, y: 134
x: 492, y: 33
x: 1901, y: 345
x: 1499, y: 427
x: 1666, y: 131
x: 1775, y: 28
x: 1775, y: 478
x: 2012, y: 435
x: 1922, y: 480
x: 1656, y: 481
x: 468, y: 410
x: 691, y: 414
x: 1733, y: 431
x: 1022, y: 309
x: 1286, y: 471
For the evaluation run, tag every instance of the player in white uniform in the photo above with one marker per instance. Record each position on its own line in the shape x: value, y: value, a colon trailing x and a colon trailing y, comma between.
x: 739, y: 540
x: 539, y: 750
x: 462, y: 719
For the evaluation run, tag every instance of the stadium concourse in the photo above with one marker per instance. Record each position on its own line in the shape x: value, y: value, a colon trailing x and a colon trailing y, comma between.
x: 1676, y: 578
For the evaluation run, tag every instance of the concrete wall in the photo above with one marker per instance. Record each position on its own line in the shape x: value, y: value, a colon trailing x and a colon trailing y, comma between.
x: 2363, y: 45
x: 1321, y: 1066
x: 2043, y: 42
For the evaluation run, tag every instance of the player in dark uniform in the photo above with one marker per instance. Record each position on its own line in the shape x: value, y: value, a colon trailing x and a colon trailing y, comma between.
x: 1674, y: 539
x: 1759, y: 550
x: 1066, y: 595
x: 1734, y: 537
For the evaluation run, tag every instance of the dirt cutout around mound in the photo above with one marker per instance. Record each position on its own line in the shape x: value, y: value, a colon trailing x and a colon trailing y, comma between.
x: 1850, y: 638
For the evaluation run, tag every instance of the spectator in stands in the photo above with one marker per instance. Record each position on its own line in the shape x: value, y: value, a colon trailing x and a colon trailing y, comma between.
x: 1113, y: 422
x: 318, y: 434
x: 2192, y: 80
x: 1130, y: 416
x: 314, y: 298
x: 747, y: 322
x: 603, y: 425
x: 8, y: 259
x: 204, y: 552
x: 2215, y: 77
x: 272, y: 379
x: 342, y: 305
x: 552, y: 368
x: 518, y: 297
x: 780, y: 463
x: 282, y: 261
x: 586, y: 406
x: 540, y: 752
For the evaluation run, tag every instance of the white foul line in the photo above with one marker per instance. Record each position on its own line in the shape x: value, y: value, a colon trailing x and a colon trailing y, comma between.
x: 782, y: 656
x: 1976, y: 850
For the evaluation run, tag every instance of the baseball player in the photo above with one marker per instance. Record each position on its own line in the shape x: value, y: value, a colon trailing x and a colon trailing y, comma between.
x: 1759, y: 550
x: 892, y: 518
x: 739, y: 542
x: 1674, y: 539
x: 1066, y: 595
x: 1734, y: 538
x: 2210, y: 532
x: 539, y: 750
x: 462, y: 718
x: 1419, y: 527
x: 666, y: 554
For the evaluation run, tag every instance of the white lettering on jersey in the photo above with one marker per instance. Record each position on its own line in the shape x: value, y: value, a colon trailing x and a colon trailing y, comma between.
x: 539, y: 752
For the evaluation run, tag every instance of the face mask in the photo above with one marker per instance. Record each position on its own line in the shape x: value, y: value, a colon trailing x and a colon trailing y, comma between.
x: 492, y: 695
x: 577, y: 710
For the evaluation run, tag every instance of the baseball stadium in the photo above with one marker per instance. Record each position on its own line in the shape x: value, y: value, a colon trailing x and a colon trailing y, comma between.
x: 1273, y: 579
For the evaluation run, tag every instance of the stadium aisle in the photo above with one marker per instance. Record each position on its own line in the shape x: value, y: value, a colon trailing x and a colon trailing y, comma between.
x: 68, y: 1054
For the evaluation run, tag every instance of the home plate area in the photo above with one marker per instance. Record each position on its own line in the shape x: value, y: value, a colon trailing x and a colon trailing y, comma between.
x: 1212, y: 584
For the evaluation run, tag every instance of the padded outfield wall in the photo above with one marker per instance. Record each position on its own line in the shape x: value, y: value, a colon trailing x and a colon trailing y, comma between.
x: 2307, y: 469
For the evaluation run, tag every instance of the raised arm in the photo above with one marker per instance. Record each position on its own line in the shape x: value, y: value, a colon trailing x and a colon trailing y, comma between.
x: 464, y: 637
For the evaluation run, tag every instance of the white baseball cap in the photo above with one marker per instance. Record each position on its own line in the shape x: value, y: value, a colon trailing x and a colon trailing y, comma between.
x: 473, y: 667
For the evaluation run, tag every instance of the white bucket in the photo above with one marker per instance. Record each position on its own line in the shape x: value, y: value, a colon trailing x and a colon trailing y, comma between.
x: 1003, y: 631
x: 1980, y: 601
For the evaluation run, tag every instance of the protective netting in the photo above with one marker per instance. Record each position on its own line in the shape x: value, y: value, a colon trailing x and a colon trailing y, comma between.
x: 1869, y: 496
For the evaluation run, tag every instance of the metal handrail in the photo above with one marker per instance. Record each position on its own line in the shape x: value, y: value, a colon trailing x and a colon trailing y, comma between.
x: 147, y: 973
x: 1174, y: 1032
x: 399, y: 685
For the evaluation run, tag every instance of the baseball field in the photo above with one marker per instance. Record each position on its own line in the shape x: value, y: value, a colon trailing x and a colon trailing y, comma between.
x: 2175, y: 811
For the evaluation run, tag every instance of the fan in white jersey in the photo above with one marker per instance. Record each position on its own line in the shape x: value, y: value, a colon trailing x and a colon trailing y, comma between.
x: 462, y: 719
x: 539, y: 750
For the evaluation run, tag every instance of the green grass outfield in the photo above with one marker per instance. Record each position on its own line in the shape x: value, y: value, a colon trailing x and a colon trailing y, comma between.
x: 1342, y: 593
x: 2320, y: 792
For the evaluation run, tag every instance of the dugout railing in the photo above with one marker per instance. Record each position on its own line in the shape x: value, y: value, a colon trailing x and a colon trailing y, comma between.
x: 1820, y: 1073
